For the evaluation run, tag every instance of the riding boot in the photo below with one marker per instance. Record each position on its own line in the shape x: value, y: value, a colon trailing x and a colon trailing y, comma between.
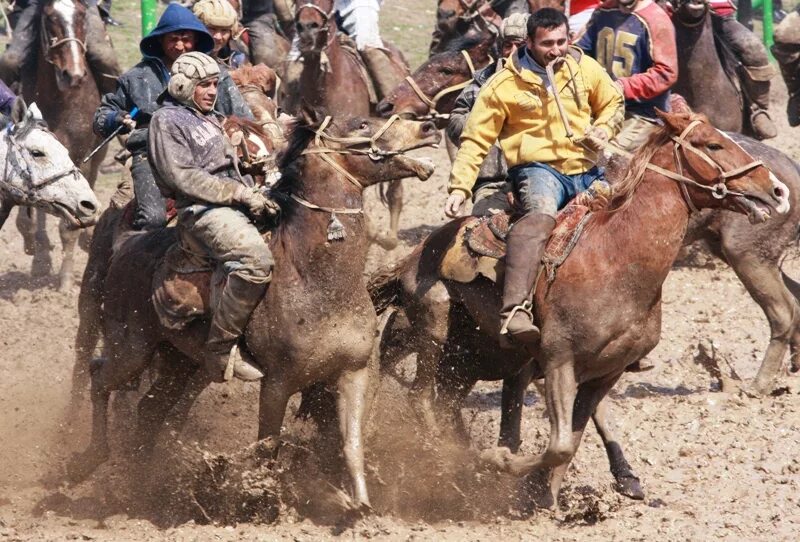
x: 788, y: 57
x: 385, y: 71
x: 100, y: 53
x: 755, y: 80
x: 239, y: 298
x: 525, y: 247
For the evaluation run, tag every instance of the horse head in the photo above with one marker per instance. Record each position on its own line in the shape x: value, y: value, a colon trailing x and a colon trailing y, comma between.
x: 714, y: 171
x: 315, y: 25
x: 63, y: 41
x: 39, y: 172
x: 254, y: 146
x: 691, y: 12
x: 457, y: 18
x: 433, y: 88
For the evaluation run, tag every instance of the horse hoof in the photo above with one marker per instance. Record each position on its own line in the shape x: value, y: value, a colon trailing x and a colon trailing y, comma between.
x: 387, y: 240
x: 65, y: 285
x: 41, y: 266
x: 82, y: 465
x: 499, y: 458
x: 629, y: 486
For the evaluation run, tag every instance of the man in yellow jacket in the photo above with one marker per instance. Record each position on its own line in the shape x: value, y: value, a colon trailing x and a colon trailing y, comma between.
x: 547, y: 165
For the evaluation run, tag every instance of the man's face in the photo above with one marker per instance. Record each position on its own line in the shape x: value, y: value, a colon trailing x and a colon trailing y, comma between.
x: 175, y: 44
x: 205, y: 94
x: 627, y: 6
x: 548, y: 44
x: 221, y: 37
x: 508, y: 46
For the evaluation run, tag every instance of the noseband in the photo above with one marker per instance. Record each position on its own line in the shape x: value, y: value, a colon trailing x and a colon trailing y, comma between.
x: 49, y: 44
x: 326, y: 17
x: 18, y: 164
x: 433, y: 103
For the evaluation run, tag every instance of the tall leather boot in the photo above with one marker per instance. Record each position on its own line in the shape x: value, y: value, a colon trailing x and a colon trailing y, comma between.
x: 755, y: 80
x: 384, y: 70
x: 238, y: 300
x: 526, y: 242
x: 788, y: 57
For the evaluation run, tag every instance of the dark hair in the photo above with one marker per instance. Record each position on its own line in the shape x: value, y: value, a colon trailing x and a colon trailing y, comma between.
x: 547, y: 18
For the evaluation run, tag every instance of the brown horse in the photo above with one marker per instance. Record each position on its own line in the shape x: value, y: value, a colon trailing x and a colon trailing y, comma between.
x: 602, y: 311
x: 316, y: 322
x: 66, y: 92
x: 334, y: 79
x: 702, y: 78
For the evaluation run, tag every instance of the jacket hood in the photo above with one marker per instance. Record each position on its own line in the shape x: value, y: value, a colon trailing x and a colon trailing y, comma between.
x: 176, y: 18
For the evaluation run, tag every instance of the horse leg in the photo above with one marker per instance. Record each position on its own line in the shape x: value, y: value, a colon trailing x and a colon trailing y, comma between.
x: 513, y: 396
x: 394, y: 197
x: 69, y: 238
x: 5, y: 210
x: 126, y: 361
x: 272, y: 403
x: 794, y: 344
x: 452, y: 387
x: 42, y: 263
x: 627, y: 483
x: 765, y: 285
x: 353, y: 387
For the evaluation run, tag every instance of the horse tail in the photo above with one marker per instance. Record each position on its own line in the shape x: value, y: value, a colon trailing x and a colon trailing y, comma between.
x: 385, y: 287
x: 384, y: 195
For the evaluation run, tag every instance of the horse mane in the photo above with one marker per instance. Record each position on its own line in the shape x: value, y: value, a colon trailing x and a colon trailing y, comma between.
x: 289, y: 160
x: 636, y: 169
x: 259, y: 76
x: 247, y: 126
x: 465, y: 42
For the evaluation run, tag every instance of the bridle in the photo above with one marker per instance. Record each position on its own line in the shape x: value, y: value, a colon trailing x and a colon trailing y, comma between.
x: 357, y: 145
x: 326, y: 18
x: 433, y: 103
x: 18, y: 164
x: 49, y: 44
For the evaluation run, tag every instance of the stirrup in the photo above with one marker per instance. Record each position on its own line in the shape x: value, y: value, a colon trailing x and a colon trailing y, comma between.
x: 526, y: 307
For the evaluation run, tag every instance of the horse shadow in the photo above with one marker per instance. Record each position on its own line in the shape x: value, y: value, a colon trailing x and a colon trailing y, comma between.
x: 416, y: 234
x: 14, y: 281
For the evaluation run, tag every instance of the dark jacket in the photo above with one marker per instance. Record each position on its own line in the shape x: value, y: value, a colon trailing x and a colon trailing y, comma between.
x: 192, y: 159
x: 6, y: 99
x: 141, y: 85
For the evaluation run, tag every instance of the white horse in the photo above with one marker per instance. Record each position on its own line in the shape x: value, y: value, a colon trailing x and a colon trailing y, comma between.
x: 38, y: 171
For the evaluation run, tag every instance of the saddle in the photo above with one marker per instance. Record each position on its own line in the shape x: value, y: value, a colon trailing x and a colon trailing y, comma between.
x: 348, y: 45
x: 480, y: 245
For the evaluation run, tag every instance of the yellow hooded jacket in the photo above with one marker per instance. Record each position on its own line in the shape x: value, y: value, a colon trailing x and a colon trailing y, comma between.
x: 515, y: 109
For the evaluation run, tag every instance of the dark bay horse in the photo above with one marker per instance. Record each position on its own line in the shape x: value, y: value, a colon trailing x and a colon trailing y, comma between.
x: 702, y: 79
x: 316, y: 322
x: 38, y: 171
x: 603, y: 310
x: 334, y: 79
x: 66, y: 92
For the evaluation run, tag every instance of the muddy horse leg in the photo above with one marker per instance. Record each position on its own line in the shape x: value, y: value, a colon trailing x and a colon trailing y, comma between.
x: 126, y: 361
x: 42, y: 264
x: 5, y: 210
x: 513, y: 396
x: 69, y: 238
x: 765, y: 284
x: 627, y: 483
x: 794, y: 344
x: 394, y: 197
x: 353, y: 387
x: 272, y: 403
x: 452, y: 387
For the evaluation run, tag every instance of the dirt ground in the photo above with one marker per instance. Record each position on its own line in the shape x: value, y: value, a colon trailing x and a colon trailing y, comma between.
x: 714, y: 465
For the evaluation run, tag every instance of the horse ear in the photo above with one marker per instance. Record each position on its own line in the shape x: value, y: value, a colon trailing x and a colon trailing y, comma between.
x: 311, y: 116
x: 675, y: 122
x: 18, y: 110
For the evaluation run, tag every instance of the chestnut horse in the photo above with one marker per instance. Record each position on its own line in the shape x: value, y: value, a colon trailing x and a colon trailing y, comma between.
x: 335, y: 80
x: 66, y: 92
x: 315, y: 323
x: 602, y: 312
x: 38, y: 171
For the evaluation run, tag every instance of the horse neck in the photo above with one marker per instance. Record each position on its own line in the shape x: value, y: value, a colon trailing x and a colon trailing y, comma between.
x: 302, y: 237
x: 316, y: 77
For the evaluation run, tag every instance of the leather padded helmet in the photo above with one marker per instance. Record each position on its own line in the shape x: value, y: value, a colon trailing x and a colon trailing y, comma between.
x: 217, y: 13
x: 187, y: 71
x: 514, y: 27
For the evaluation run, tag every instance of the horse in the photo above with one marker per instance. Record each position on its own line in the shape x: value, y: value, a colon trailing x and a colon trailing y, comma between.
x: 66, y: 92
x: 335, y: 79
x: 39, y: 173
x: 315, y: 323
x: 600, y: 312
x: 702, y: 78
x: 258, y: 85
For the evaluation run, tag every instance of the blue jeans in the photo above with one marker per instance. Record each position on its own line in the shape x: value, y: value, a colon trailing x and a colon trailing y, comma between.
x: 542, y: 189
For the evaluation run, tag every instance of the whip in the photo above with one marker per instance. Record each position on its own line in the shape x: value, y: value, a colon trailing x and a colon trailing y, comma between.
x: 103, y: 143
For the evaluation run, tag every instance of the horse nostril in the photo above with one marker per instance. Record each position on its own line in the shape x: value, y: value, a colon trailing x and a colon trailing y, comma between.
x: 87, y: 206
x: 428, y: 127
x: 384, y: 108
x: 778, y: 192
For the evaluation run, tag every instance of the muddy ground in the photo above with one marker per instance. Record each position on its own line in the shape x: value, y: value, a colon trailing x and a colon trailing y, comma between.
x: 714, y: 465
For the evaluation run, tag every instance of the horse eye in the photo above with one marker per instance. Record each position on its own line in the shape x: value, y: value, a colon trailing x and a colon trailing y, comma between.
x: 36, y: 153
x: 714, y: 147
x: 447, y: 71
x: 363, y: 126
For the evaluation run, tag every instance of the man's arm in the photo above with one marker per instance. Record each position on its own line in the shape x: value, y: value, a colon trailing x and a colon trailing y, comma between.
x: 111, y: 112
x: 484, y: 124
x: 463, y: 105
x: 605, y: 99
x: 171, y: 159
x: 663, y: 73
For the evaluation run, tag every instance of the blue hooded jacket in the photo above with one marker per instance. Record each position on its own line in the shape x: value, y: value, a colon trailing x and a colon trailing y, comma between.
x: 174, y: 19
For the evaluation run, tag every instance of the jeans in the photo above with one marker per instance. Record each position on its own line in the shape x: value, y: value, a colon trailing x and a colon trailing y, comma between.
x: 150, y: 206
x: 542, y: 189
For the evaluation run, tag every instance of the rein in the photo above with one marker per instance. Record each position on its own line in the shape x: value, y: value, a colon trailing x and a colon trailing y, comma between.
x: 433, y: 103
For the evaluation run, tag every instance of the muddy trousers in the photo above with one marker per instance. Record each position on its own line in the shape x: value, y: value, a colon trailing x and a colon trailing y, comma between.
x: 787, y: 53
x: 233, y: 241
x: 150, y: 207
x: 755, y: 72
x: 263, y: 31
x: 20, y: 56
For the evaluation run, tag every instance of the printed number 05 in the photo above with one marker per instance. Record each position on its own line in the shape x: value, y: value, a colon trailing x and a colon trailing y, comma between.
x: 615, y: 52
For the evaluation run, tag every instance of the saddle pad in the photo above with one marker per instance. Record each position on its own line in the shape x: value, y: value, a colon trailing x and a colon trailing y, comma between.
x: 487, y: 235
x: 181, y: 289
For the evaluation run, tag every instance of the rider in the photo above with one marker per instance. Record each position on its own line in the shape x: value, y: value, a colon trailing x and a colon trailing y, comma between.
x: 178, y: 31
x: 787, y: 53
x: 546, y: 166
x: 195, y: 163
x: 21, y: 52
x: 262, y: 27
x: 487, y: 193
x: 756, y: 70
x: 221, y: 20
x: 643, y: 61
